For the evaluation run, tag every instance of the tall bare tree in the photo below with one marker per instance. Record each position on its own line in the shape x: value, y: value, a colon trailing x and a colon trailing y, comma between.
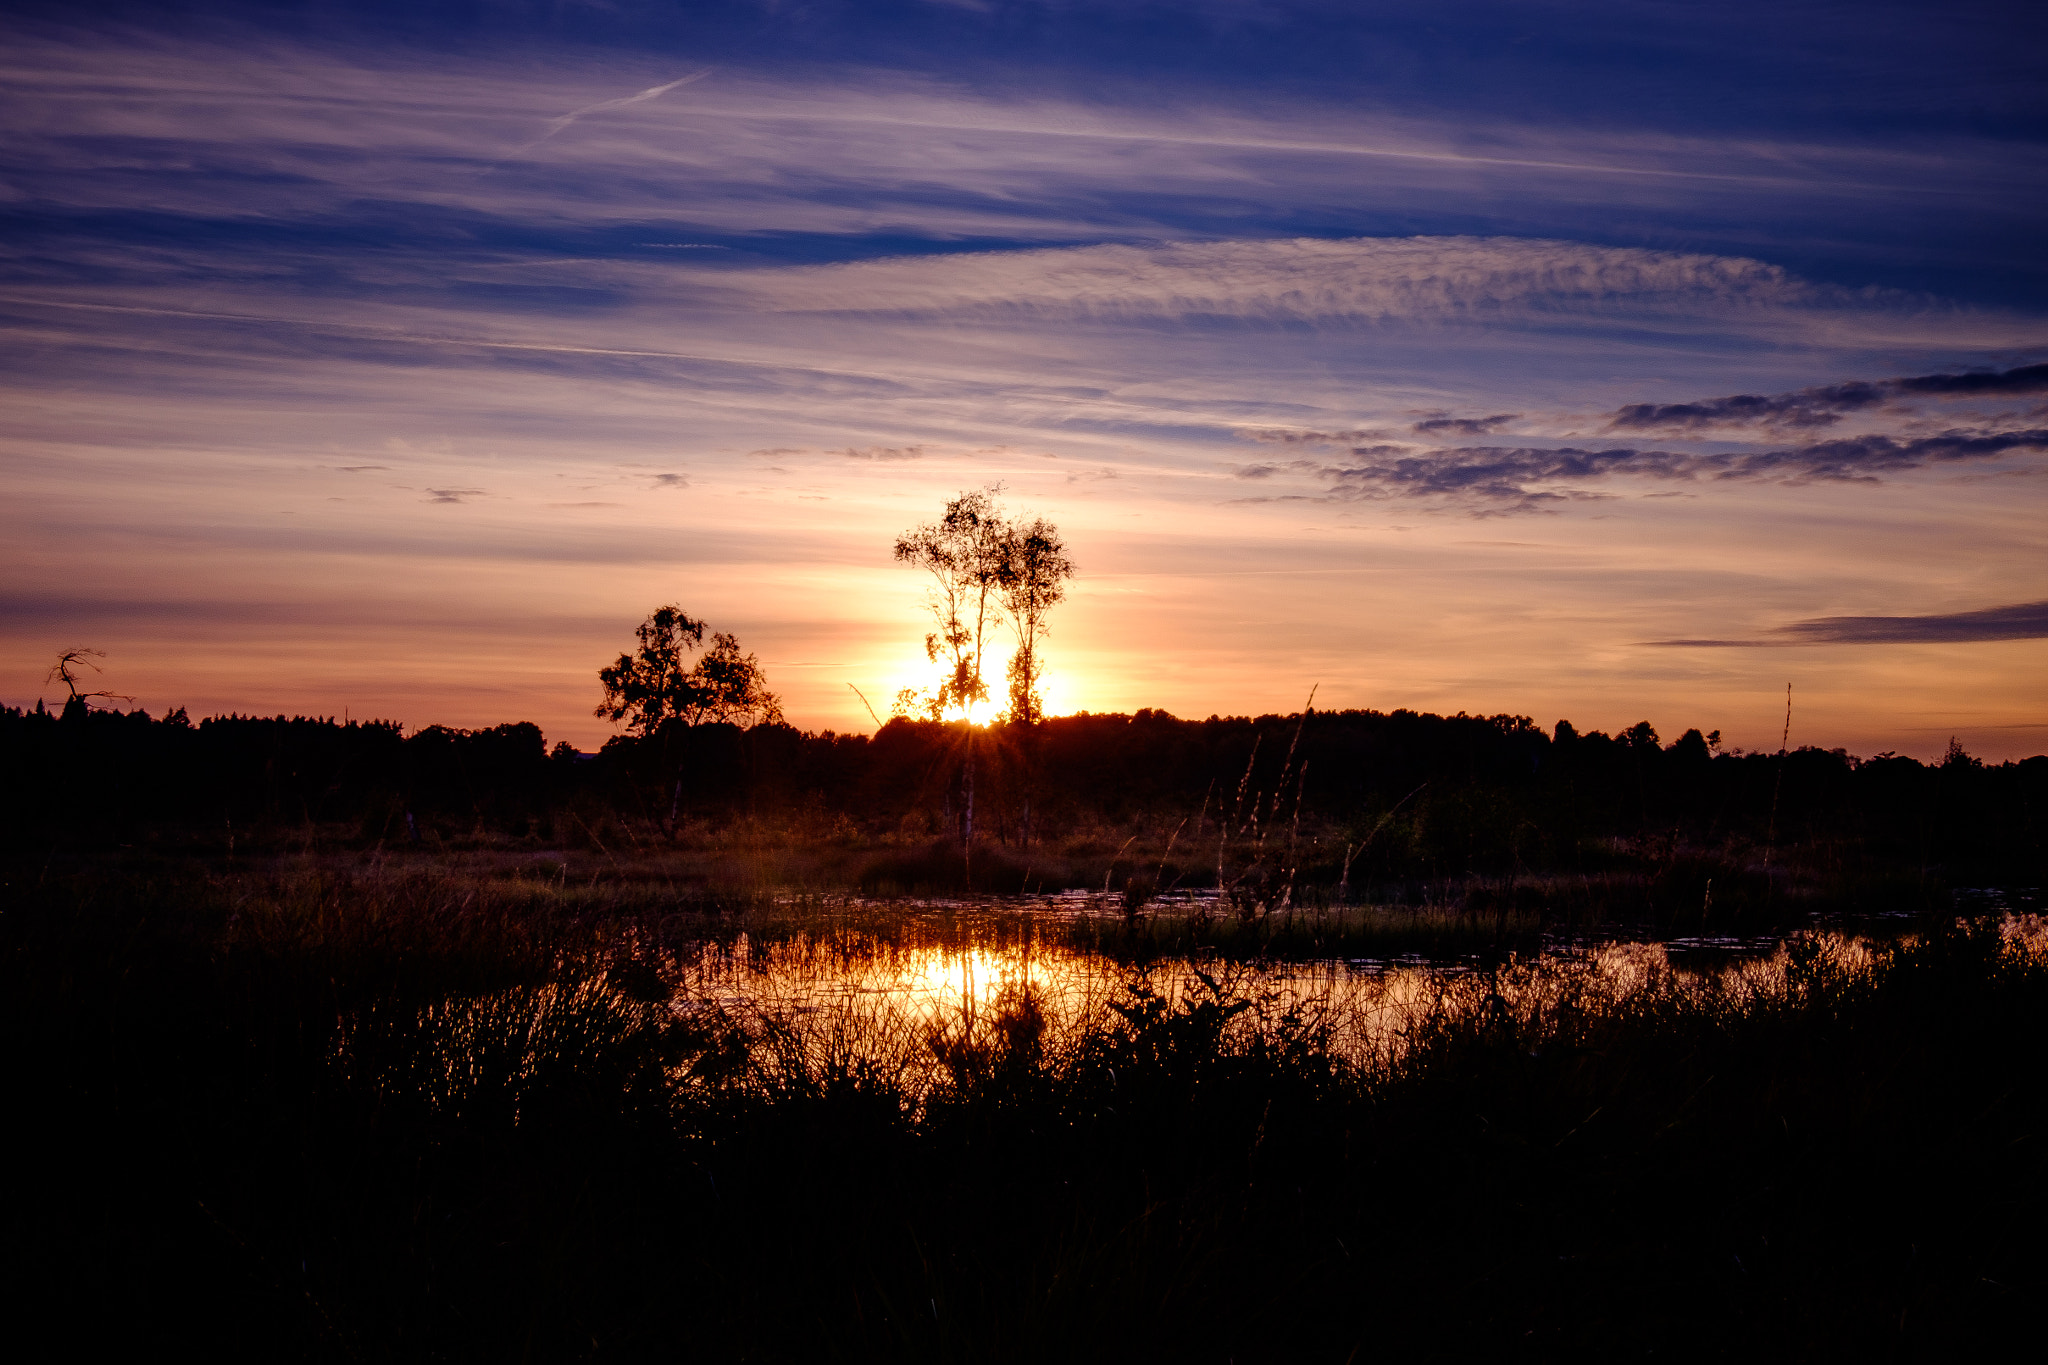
x: 967, y: 554
x: 986, y: 571
x: 68, y: 670
x: 1035, y: 581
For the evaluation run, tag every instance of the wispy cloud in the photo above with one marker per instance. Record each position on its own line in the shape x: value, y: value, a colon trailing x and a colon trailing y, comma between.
x: 1491, y: 480
x: 1445, y: 425
x: 1357, y: 279
x: 276, y: 134
x: 559, y: 123
x: 1825, y: 405
x: 232, y: 269
x: 1313, y: 438
x: 884, y: 453
x: 2020, y: 621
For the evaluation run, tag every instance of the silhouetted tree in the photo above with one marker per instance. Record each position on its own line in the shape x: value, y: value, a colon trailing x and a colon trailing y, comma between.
x: 1034, y: 582
x: 1690, y: 751
x: 66, y: 670
x: 659, y: 693
x: 967, y: 553
x: 984, y: 568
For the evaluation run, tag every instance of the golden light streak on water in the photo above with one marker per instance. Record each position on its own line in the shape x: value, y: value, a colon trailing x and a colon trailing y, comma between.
x: 902, y: 1005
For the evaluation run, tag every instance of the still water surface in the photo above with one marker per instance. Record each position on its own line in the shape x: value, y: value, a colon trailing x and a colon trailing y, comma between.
x: 887, y: 981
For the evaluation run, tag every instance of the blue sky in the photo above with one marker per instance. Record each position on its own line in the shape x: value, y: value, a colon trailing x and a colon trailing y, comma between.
x: 401, y: 357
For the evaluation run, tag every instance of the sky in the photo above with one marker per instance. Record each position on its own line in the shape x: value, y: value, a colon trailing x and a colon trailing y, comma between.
x: 1601, y: 361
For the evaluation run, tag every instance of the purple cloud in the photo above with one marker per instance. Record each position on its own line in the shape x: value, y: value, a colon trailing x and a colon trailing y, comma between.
x: 1825, y: 405
x: 2020, y: 621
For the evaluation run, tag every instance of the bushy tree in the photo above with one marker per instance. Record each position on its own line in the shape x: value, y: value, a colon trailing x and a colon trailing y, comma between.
x: 659, y: 693
x: 656, y: 684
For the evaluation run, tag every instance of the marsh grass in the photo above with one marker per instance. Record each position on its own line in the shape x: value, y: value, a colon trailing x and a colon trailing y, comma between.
x: 1275, y: 862
x: 388, y: 1113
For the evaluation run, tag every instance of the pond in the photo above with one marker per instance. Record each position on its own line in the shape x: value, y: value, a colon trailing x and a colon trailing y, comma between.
x: 897, y: 983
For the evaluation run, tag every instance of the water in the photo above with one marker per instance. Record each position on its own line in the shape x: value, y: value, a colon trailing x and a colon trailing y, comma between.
x: 896, y: 984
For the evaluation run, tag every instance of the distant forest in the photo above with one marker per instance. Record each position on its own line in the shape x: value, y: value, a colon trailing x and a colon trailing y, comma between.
x: 1438, y: 796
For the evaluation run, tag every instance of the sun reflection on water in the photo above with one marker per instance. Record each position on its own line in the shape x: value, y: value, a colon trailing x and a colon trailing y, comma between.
x: 902, y: 992
x: 893, y: 998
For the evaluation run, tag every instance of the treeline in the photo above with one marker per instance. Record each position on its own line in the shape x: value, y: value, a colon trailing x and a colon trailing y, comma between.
x: 1434, y: 795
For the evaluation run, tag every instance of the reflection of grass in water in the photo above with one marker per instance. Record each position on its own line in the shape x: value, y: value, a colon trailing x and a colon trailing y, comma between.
x: 890, y: 1000
x: 1183, y: 927
x: 1188, y: 929
x: 396, y: 1116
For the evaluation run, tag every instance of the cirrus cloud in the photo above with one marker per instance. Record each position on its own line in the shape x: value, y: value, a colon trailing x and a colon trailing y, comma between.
x: 1300, y: 280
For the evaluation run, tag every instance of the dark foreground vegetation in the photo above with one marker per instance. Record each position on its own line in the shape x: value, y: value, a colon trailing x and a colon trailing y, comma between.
x: 327, y: 1041
x: 1480, y: 815
x: 282, y: 1112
